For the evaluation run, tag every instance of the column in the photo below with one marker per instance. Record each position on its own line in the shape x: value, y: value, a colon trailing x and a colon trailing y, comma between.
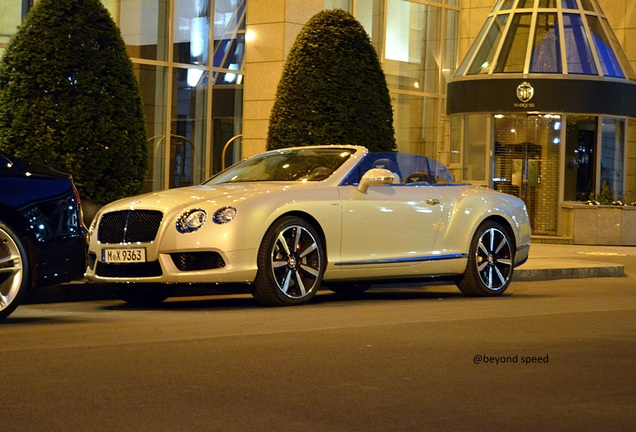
x: 272, y: 27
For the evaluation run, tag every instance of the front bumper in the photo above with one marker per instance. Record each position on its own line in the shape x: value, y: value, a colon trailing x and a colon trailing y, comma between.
x: 177, y: 267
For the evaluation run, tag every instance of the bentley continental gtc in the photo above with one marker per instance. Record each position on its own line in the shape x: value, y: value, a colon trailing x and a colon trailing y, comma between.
x: 290, y: 221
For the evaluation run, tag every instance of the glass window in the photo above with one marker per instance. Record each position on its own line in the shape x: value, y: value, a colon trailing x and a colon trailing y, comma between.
x: 188, y: 128
x: 513, y: 52
x: 580, y: 158
x: 229, y: 34
x: 547, y: 4
x: 452, y: 43
x: 473, y: 48
x: 229, y: 52
x: 227, y: 109
x: 606, y: 57
x: 526, y: 164
x: 587, y: 5
x: 10, y: 19
x: 484, y: 58
x: 546, y: 51
x: 413, y: 46
x: 291, y: 165
x: 416, y: 124
x: 339, y: 4
x: 612, y: 155
x: 370, y: 13
x: 618, y: 51
x: 144, y: 28
x: 577, y: 47
x: 476, y: 148
x: 569, y: 4
x: 526, y: 4
x: 191, y: 31
x: 456, y: 138
x: 507, y: 4
x: 421, y: 43
x: 153, y: 83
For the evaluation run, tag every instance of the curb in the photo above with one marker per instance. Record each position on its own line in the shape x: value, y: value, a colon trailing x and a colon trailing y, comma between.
x: 590, y: 271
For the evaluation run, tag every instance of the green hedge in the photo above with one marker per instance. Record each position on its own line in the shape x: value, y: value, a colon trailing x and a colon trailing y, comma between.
x: 333, y: 89
x: 69, y: 98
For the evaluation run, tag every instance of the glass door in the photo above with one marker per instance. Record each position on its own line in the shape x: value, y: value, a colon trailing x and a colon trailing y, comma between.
x: 525, y: 164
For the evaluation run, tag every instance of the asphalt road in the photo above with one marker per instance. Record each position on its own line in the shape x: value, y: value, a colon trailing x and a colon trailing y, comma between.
x: 555, y: 355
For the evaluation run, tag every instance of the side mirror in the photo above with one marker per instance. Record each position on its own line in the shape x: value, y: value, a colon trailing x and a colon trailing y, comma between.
x: 375, y: 177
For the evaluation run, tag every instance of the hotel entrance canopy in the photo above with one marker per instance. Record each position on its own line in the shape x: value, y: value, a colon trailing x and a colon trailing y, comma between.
x: 545, y: 55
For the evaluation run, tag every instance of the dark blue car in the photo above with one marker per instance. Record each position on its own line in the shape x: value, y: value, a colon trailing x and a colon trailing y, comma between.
x: 42, y: 236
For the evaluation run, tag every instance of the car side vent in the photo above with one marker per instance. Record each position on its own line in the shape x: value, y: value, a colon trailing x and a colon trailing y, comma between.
x: 193, y: 261
x: 129, y: 226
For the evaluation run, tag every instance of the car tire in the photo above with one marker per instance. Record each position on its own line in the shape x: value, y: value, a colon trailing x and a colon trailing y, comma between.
x: 14, y: 270
x: 291, y: 262
x: 145, y: 295
x: 490, y: 262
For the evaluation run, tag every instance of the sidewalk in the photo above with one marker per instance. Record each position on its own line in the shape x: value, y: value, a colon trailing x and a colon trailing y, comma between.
x: 550, y: 261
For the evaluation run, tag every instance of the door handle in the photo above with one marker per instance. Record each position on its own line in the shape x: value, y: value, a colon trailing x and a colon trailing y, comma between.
x: 432, y: 201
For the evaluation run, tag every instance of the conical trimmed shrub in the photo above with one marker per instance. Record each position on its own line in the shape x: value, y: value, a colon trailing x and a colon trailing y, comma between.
x: 333, y: 89
x: 69, y: 98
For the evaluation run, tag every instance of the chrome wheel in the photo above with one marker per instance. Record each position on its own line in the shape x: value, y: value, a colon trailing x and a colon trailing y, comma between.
x: 13, y: 270
x: 490, y: 261
x: 494, y: 259
x: 291, y: 263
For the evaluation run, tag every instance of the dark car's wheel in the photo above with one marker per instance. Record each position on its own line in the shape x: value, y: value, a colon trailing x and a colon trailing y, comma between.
x: 291, y: 262
x: 145, y: 295
x: 490, y: 262
x: 14, y: 270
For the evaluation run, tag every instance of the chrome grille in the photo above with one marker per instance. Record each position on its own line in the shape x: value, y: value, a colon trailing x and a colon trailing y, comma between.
x: 129, y: 226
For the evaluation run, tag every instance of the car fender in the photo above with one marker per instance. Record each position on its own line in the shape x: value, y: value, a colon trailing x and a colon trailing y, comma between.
x: 471, y: 208
x: 322, y: 208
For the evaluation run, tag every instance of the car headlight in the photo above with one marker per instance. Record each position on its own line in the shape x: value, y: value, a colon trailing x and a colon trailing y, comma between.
x: 191, y: 220
x: 224, y: 215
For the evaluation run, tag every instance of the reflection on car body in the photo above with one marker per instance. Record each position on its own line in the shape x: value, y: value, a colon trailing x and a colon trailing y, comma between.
x: 42, y: 237
x: 292, y: 220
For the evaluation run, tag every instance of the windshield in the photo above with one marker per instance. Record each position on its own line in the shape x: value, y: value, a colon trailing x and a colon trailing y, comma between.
x: 408, y: 168
x: 286, y: 165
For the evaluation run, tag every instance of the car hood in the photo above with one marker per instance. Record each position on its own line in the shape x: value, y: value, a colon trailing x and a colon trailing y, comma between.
x: 199, y: 195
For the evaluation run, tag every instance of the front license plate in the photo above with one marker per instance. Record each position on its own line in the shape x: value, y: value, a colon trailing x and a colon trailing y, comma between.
x: 136, y: 255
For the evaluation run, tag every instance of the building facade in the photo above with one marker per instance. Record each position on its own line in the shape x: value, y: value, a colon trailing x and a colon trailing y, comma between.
x: 543, y: 106
x: 208, y: 72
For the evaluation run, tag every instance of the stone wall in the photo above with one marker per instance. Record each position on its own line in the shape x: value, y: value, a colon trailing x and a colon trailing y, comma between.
x: 600, y: 225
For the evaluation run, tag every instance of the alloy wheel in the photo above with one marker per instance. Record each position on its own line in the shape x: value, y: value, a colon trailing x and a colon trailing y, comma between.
x: 494, y: 258
x: 12, y: 272
x: 295, y: 262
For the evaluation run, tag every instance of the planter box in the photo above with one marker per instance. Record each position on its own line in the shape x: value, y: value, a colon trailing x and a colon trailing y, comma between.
x: 600, y: 225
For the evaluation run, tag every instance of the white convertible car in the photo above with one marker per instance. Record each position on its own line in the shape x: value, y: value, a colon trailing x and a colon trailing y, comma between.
x: 289, y: 221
